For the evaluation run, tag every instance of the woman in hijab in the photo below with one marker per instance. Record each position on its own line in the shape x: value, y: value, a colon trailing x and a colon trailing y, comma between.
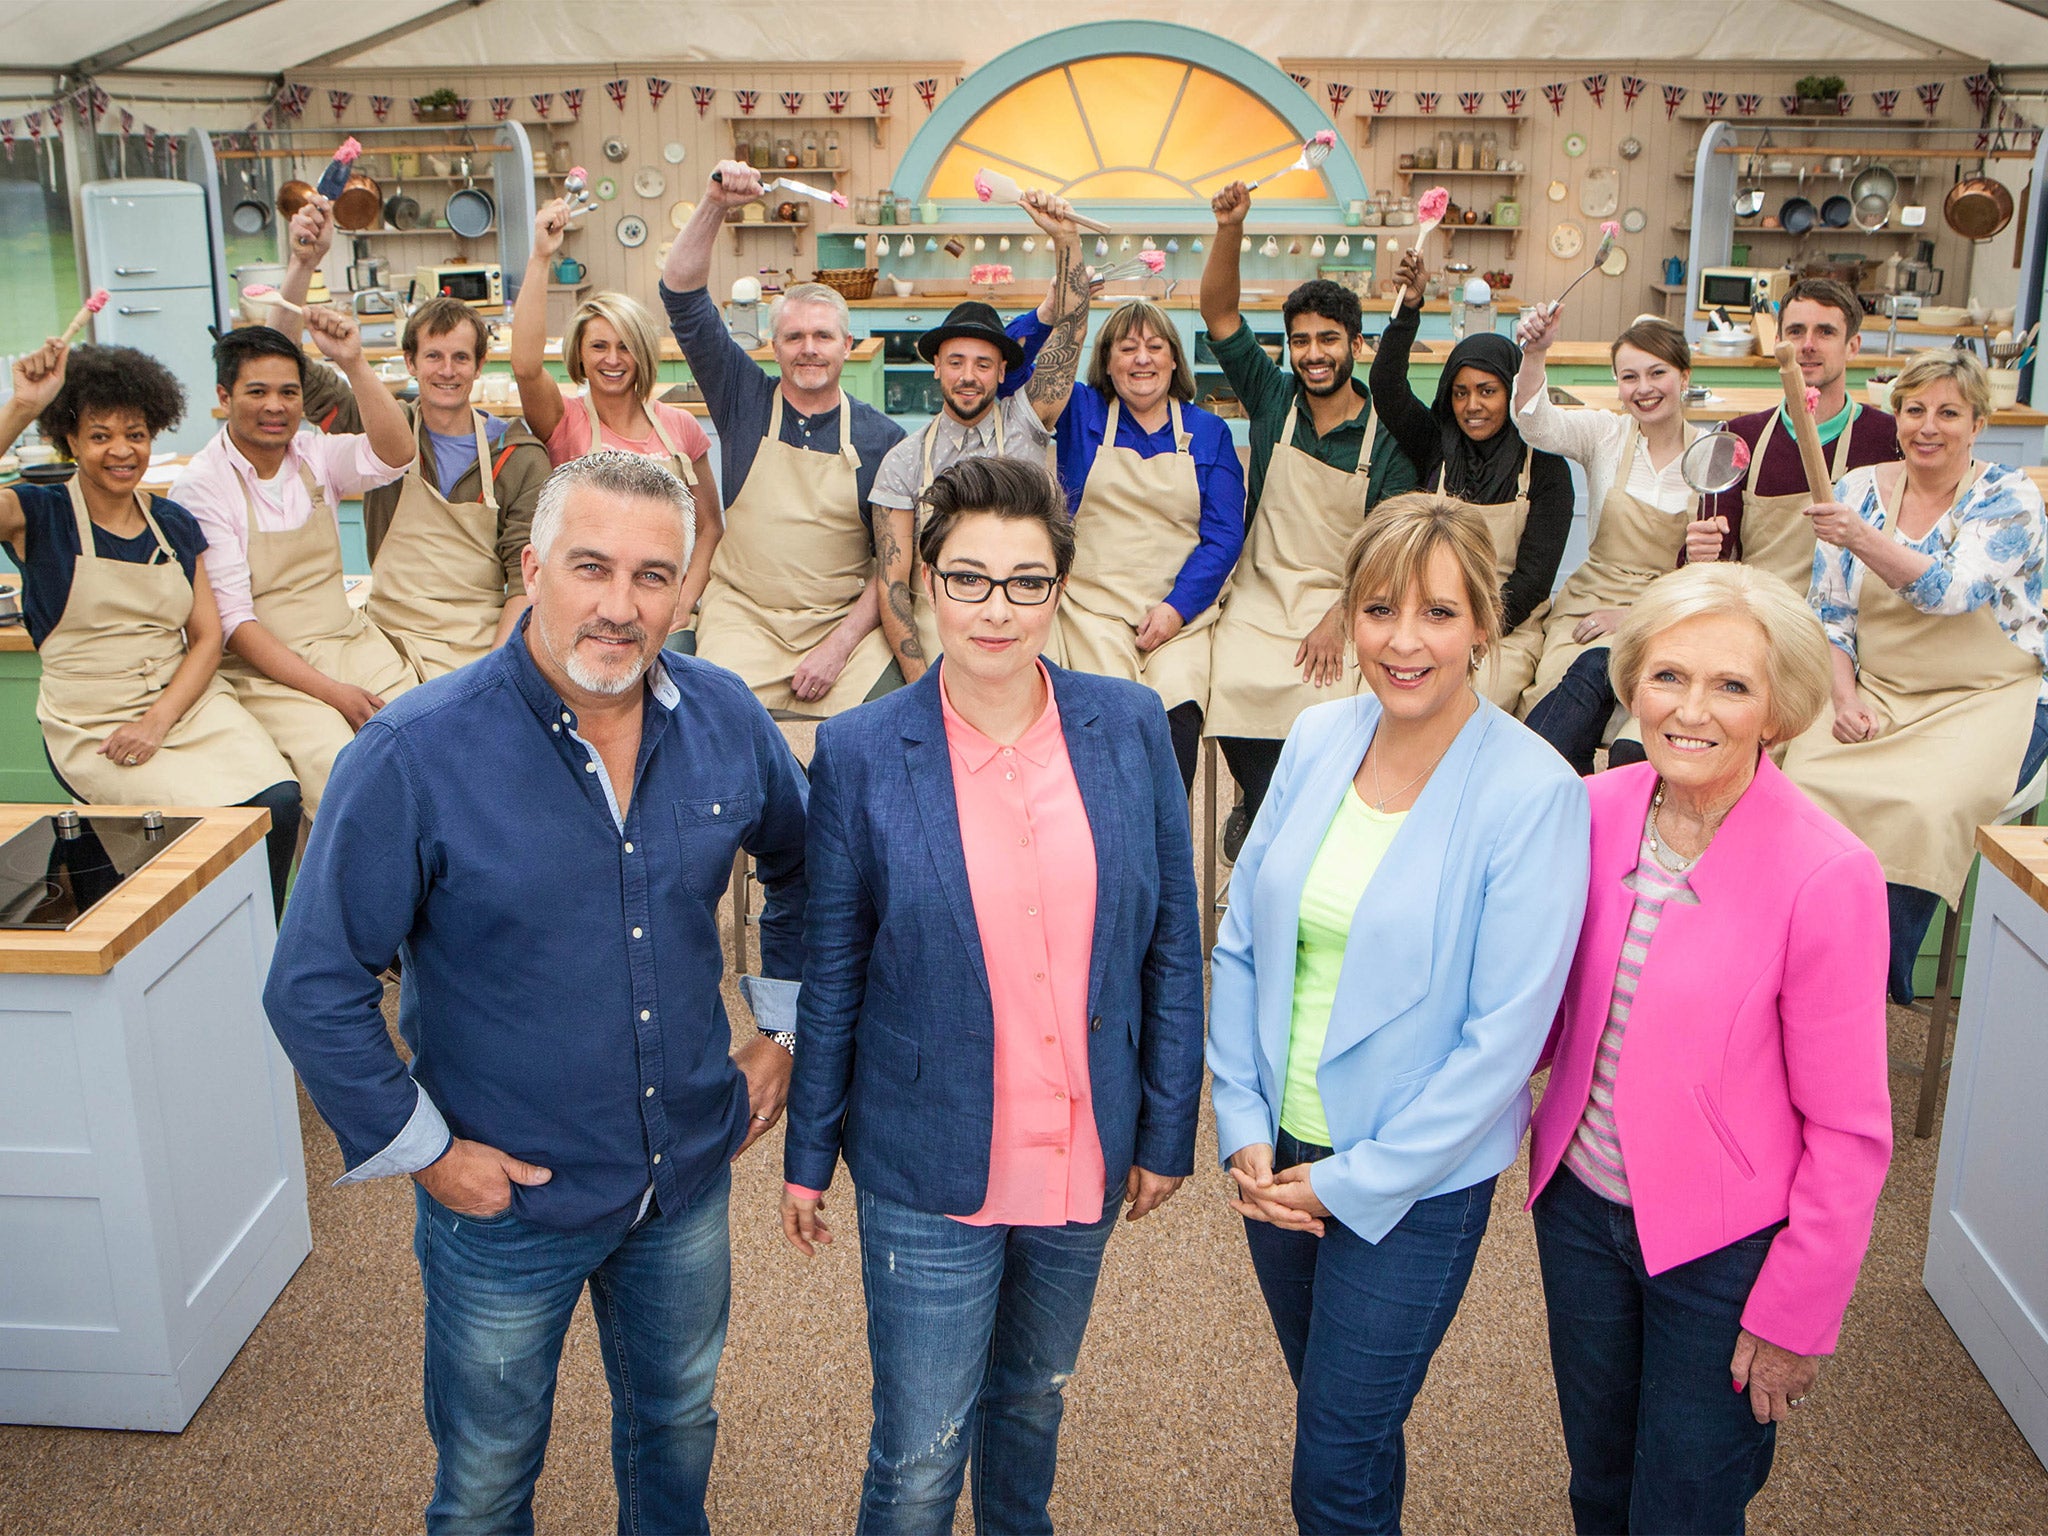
x: 1465, y: 445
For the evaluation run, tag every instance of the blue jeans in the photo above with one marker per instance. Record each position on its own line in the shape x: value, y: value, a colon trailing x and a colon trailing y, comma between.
x: 1912, y: 909
x: 973, y: 1332
x: 1573, y: 716
x: 1358, y: 1323
x: 1658, y: 1440
x: 500, y: 1294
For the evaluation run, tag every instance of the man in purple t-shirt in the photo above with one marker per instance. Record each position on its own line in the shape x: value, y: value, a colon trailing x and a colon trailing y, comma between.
x: 1762, y: 521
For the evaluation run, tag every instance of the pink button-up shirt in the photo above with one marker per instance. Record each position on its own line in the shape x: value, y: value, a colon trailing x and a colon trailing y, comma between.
x: 1031, y: 875
x: 210, y: 488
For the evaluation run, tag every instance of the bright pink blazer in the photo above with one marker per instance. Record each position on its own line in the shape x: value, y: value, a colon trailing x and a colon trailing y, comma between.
x: 1752, y: 1086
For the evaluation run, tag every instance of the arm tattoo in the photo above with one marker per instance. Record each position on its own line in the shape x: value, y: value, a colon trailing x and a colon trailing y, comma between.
x: 896, y: 593
x: 1053, y: 379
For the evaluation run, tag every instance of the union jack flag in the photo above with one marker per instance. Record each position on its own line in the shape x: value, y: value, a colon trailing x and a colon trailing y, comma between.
x: 1596, y: 87
x: 881, y: 96
x: 1471, y: 101
x: 1338, y: 94
x: 1887, y: 102
x: 616, y: 89
x: 1674, y: 97
x: 1381, y: 100
x: 33, y: 121
x: 462, y: 109
x: 1930, y: 95
x: 748, y: 100
x: 928, y: 93
x: 1513, y: 99
x: 1631, y: 88
x: 702, y: 95
x: 1788, y: 104
x: 835, y: 102
x: 1300, y: 80
x: 543, y: 103
x: 7, y: 137
x: 339, y: 101
x: 127, y: 122
x: 1713, y: 101
x: 1426, y: 101
x: 572, y: 98
x: 1554, y: 94
x: 57, y: 118
x: 1844, y: 101
x: 792, y: 102
x: 380, y: 107
x: 501, y: 108
x: 656, y: 89
x: 1749, y: 103
x: 1979, y: 87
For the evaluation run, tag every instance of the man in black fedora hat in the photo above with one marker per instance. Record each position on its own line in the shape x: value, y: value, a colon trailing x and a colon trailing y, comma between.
x: 988, y: 409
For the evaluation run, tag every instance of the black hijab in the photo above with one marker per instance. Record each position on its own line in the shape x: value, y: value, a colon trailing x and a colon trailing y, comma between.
x: 1485, y: 473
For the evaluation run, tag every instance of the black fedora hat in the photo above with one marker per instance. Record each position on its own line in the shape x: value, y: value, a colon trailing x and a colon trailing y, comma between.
x: 977, y: 322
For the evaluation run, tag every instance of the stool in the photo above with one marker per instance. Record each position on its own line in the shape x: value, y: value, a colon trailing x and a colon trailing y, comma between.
x: 1941, y: 1007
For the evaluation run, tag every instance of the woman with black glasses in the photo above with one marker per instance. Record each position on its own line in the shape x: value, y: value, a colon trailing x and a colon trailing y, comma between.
x: 1001, y: 1019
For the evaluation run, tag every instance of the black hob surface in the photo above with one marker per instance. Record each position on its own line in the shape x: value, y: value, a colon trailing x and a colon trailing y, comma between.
x: 53, y: 872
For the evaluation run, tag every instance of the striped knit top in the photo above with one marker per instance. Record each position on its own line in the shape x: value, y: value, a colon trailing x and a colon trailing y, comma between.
x: 1660, y: 877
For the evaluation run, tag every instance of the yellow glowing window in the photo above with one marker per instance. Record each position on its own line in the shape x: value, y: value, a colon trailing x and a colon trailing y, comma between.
x: 1129, y: 129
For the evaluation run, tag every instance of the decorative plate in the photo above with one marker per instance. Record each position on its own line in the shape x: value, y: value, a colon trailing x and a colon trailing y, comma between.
x: 632, y: 231
x: 1556, y: 191
x: 649, y: 182
x: 673, y: 152
x: 1635, y: 221
x: 1566, y: 241
x: 1616, y: 262
x: 1631, y: 147
x: 606, y: 189
x: 1575, y: 144
x: 680, y: 210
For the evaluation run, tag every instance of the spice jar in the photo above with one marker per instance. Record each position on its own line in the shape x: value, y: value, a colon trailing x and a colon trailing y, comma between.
x: 1425, y: 158
x: 885, y: 207
x: 1446, y: 150
x: 832, y: 148
x: 1489, y: 151
x: 1468, y: 151
x: 810, y: 150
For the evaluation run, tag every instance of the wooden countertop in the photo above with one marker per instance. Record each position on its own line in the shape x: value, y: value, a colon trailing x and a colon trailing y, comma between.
x: 2021, y: 855
x: 864, y: 351
x: 14, y: 637
x: 1596, y: 354
x: 117, y: 925
x: 1726, y: 404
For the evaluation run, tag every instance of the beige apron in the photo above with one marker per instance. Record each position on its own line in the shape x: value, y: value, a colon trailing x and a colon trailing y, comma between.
x: 682, y: 465
x: 1507, y: 671
x: 1291, y: 571
x: 296, y: 588
x: 1954, y: 700
x: 116, y: 647
x: 921, y: 605
x: 1777, y: 535
x: 1636, y: 543
x: 793, y: 534
x: 1138, y: 521
x: 439, y: 587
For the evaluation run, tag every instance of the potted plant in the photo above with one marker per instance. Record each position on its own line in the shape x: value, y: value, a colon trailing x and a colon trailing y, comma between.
x: 1820, y: 95
x: 439, y: 106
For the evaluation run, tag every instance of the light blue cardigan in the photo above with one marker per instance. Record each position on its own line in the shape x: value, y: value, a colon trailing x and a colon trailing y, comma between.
x: 1452, y: 974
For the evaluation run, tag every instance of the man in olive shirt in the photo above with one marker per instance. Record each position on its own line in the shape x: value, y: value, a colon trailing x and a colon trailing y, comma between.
x: 1313, y: 492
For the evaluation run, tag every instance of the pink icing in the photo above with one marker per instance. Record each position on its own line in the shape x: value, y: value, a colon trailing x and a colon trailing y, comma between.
x: 1812, y: 401
x: 1610, y: 228
x: 1432, y: 204
x: 258, y: 291
x: 1155, y: 261
x: 991, y: 272
x: 98, y: 301
x: 1325, y: 136
x: 350, y: 148
x: 838, y: 199
x: 579, y: 173
x: 982, y: 189
x: 1741, y: 456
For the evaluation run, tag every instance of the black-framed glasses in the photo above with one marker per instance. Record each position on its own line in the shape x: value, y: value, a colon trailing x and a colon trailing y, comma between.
x: 974, y: 587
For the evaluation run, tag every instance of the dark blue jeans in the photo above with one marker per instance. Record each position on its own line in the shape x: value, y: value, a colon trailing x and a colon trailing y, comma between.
x: 1912, y: 909
x: 973, y: 1332
x: 500, y: 1294
x: 1358, y: 1323
x: 1573, y: 716
x: 1657, y: 1438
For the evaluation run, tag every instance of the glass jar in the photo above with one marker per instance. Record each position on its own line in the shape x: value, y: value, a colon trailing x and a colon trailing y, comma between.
x: 810, y: 150
x: 885, y: 207
x: 832, y: 148
x: 903, y: 210
x: 1425, y: 158
x: 1446, y: 150
x: 742, y: 145
x: 763, y: 152
x: 785, y: 154
x: 1489, y: 151
x: 1468, y: 151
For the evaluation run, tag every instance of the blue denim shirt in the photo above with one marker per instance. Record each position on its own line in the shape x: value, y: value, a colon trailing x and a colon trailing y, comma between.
x: 561, y: 962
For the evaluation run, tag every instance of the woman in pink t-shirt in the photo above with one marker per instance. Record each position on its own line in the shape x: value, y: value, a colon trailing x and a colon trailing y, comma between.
x: 612, y: 350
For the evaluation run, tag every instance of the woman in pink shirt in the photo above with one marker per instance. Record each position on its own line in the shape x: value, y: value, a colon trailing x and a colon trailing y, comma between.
x: 1707, y: 1158
x: 1001, y: 1018
x: 613, y: 350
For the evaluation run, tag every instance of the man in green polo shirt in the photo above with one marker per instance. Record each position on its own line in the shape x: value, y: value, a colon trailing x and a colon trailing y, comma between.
x: 1318, y: 465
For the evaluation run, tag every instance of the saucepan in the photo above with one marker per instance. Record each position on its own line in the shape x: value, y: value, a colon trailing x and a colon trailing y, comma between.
x: 250, y: 215
x: 361, y: 204
x: 401, y: 210
x: 1977, y: 207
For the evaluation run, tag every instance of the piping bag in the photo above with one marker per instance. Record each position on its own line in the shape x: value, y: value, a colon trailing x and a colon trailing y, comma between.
x: 335, y: 178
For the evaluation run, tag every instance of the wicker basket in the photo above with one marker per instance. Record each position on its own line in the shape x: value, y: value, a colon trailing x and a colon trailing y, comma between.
x: 852, y: 282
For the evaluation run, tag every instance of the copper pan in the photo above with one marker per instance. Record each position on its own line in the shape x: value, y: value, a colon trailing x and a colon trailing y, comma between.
x: 1977, y: 207
x: 291, y: 197
x: 361, y: 203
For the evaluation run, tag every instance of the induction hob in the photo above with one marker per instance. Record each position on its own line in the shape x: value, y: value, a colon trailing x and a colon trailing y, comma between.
x: 59, y: 867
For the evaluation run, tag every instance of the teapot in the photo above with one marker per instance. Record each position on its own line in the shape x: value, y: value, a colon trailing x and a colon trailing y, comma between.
x: 570, y: 270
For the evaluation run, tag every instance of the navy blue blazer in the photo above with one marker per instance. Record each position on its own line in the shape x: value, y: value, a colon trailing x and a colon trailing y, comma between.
x: 895, y: 1061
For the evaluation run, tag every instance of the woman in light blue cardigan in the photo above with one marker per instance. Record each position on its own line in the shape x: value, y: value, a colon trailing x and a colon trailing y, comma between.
x: 1402, y: 918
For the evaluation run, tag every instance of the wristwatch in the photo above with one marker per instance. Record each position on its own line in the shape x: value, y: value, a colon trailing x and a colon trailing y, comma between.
x: 786, y: 1038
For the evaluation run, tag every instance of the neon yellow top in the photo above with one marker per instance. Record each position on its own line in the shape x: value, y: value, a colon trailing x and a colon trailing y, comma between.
x: 1352, y: 849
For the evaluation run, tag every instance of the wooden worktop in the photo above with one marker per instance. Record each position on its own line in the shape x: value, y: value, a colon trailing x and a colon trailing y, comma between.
x: 2021, y: 855
x: 144, y: 902
x: 1598, y: 354
x: 864, y: 351
x: 1728, y: 403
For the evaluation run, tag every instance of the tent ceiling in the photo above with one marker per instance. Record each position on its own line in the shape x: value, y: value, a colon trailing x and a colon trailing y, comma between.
x: 54, y: 34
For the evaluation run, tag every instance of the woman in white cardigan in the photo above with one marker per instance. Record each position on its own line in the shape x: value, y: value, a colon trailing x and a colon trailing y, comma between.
x: 1638, y: 508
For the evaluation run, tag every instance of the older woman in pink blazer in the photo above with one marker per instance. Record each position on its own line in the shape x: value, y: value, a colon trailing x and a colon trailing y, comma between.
x: 1707, y: 1159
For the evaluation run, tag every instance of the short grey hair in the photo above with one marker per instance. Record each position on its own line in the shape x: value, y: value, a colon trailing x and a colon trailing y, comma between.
x: 612, y: 472
x: 1798, y: 668
x: 811, y: 293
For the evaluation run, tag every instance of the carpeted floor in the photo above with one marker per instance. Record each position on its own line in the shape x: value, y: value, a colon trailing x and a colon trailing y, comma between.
x: 1180, y: 1418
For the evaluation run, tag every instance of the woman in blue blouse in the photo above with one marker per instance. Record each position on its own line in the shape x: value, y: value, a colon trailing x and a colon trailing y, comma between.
x: 1157, y: 493
x: 1402, y: 918
x: 114, y: 591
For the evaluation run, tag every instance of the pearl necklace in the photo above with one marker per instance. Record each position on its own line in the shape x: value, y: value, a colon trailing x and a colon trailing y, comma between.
x: 1665, y: 854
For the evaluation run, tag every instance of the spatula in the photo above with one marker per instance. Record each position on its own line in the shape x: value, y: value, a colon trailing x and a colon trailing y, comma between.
x: 1429, y: 212
x: 1311, y: 158
x: 991, y: 186
x: 836, y: 199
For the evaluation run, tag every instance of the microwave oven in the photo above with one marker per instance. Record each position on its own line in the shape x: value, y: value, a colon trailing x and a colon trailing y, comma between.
x: 1742, y: 287
x: 474, y: 282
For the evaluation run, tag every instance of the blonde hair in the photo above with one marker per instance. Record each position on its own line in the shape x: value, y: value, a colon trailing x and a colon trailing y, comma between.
x: 636, y: 328
x: 810, y: 293
x: 1391, y: 553
x: 1140, y: 315
x: 1938, y: 363
x: 1797, y: 667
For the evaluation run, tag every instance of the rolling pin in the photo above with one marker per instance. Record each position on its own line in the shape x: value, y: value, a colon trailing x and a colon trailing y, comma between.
x: 1811, y: 459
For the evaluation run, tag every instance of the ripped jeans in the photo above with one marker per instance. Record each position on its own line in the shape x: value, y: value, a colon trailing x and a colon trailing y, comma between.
x: 973, y: 1332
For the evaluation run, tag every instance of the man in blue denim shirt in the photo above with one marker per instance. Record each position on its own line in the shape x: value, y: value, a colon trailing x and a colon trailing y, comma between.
x: 542, y: 837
